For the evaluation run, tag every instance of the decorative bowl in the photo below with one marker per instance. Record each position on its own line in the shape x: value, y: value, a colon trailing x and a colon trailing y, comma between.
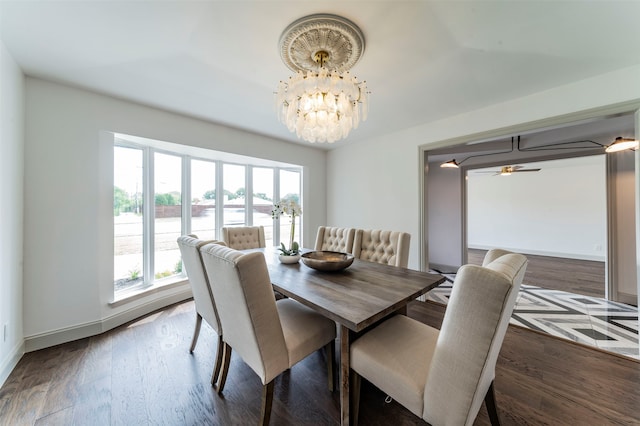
x: 289, y: 259
x: 327, y: 260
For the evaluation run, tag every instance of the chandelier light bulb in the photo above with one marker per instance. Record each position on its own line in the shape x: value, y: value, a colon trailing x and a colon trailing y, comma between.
x: 322, y: 107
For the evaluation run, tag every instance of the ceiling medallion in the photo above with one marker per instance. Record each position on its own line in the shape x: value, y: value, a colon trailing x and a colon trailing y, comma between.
x: 322, y: 102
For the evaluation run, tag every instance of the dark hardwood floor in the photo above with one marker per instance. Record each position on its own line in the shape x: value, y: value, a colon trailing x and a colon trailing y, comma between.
x: 583, y: 277
x: 142, y: 374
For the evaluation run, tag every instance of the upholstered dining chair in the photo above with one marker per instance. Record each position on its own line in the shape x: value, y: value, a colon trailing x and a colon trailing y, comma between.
x: 388, y: 247
x: 203, y: 298
x: 443, y: 376
x: 269, y: 336
x: 335, y: 239
x: 244, y: 237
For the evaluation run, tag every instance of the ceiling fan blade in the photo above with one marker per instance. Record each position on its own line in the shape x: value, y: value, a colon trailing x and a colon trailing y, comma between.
x: 525, y: 170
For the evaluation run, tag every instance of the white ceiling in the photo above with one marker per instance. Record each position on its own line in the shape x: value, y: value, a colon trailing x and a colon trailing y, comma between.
x: 219, y: 60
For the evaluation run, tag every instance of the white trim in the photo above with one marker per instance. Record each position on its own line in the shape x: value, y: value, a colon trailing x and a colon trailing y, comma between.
x: 146, y: 308
x: 81, y: 331
x: 131, y: 295
x: 11, y: 361
x: 611, y: 273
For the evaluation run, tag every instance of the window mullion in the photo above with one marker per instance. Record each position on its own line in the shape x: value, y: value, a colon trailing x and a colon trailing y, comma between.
x: 248, y: 195
x: 148, y: 216
x: 219, y: 199
x: 186, y: 195
x: 276, y: 198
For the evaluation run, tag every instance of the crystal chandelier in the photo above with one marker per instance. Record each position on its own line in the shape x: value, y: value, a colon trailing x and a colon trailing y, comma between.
x: 322, y: 102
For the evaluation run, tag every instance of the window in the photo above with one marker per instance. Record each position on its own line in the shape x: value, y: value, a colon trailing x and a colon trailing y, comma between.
x: 167, y: 227
x: 128, y: 196
x: 262, y: 202
x: 290, y: 189
x: 234, y: 184
x: 161, y: 192
x: 203, y: 199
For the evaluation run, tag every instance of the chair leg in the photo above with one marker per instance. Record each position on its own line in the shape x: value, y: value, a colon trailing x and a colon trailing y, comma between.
x: 355, y: 397
x: 196, y: 332
x: 490, y: 402
x: 331, y: 353
x: 218, y: 364
x: 225, y: 367
x: 267, y: 401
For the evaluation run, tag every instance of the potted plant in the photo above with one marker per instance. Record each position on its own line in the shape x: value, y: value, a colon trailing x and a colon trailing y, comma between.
x: 291, y: 208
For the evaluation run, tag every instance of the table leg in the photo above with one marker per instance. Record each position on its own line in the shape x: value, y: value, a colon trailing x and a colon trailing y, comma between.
x: 344, y: 375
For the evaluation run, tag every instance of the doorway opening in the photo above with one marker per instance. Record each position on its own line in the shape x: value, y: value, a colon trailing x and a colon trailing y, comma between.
x: 553, y: 211
x: 575, y: 315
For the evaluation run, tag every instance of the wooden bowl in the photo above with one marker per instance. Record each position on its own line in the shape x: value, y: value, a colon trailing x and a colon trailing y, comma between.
x: 327, y: 260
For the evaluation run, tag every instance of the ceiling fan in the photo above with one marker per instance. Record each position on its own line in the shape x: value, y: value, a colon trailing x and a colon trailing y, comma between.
x: 507, y: 170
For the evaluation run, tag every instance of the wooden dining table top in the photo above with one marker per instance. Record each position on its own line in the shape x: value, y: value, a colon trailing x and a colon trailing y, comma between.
x: 356, y: 297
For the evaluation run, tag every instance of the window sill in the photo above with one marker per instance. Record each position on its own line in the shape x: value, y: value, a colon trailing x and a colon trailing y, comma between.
x: 127, y: 296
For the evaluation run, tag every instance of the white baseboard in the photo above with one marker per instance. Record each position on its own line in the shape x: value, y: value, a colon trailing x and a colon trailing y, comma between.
x: 10, y: 362
x: 116, y: 320
x: 596, y: 258
x: 68, y: 334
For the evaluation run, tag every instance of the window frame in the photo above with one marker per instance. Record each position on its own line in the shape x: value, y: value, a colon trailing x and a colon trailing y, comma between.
x: 148, y: 238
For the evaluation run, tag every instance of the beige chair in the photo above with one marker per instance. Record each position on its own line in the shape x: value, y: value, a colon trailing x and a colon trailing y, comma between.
x: 205, y: 305
x: 335, y: 239
x: 244, y: 237
x: 388, y: 247
x: 443, y: 376
x: 492, y: 255
x: 269, y: 336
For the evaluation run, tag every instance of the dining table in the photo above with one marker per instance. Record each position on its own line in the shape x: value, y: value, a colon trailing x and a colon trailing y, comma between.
x: 356, y: 298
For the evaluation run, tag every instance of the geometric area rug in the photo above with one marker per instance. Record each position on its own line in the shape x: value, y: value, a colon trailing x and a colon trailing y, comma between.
x: 592, y: 321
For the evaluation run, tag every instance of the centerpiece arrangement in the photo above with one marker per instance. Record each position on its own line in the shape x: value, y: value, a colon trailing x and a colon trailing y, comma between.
x: 291, y: 208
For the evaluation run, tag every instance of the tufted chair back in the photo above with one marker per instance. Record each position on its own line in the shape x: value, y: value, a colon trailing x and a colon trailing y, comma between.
x: 202, y: 295
x: 492, y: 255
x: 198, y: 279
x: 462, y: 368
x: 335, y: 239
x: 244, y: 237
x: 387, y: 247
x: 247, y: 309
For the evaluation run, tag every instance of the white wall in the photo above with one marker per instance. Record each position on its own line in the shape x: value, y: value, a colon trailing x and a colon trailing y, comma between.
x: 559, y: 211
x: 374, y: 186
x: 68, y: 279
x: 377, y: 183
x: 11, y: 189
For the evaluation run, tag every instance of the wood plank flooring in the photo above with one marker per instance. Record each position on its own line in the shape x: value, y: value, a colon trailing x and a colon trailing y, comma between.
x: 583, y: 277
x: 142, y: 374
